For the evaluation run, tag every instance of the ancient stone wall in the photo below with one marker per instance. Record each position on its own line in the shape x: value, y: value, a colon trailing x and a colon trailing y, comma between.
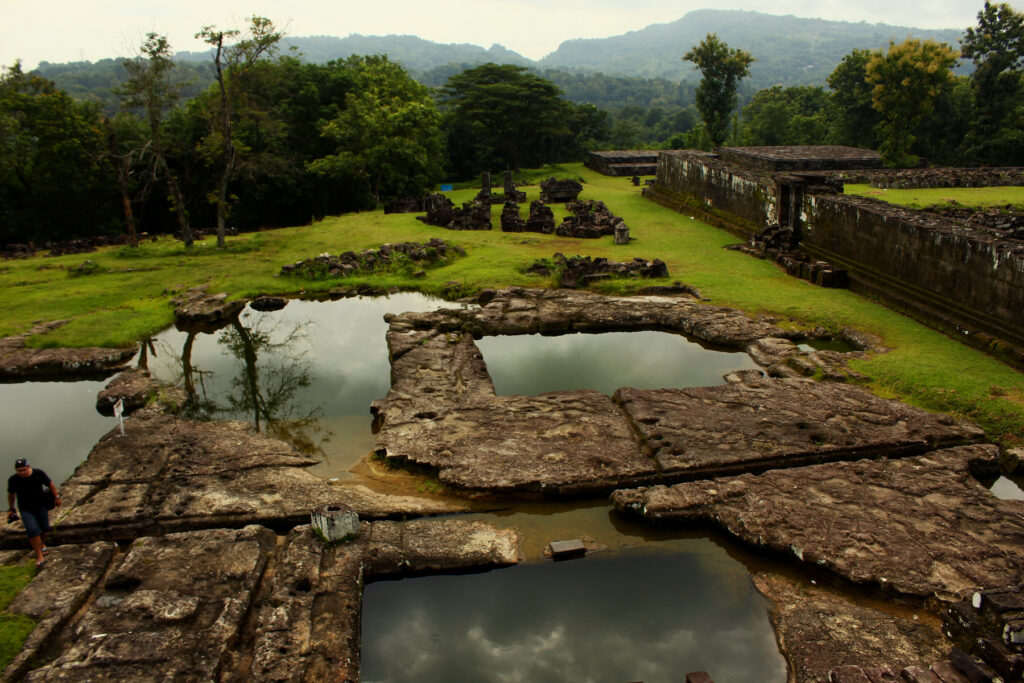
x: 973, y: 278
x: 749, y: 195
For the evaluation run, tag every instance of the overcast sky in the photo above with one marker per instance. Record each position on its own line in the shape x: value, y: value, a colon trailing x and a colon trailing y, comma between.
x: 70, y: 30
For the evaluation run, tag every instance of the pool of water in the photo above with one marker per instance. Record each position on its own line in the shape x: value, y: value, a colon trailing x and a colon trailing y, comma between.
x: 532, y: 364
x: 651, y: 614
x: 52, y: 424
x: 306, y: 373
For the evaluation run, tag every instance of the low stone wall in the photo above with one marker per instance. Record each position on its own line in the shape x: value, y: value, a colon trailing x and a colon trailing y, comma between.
x: 915, y: 178
x: 623, y: 162
x: 968, y: 278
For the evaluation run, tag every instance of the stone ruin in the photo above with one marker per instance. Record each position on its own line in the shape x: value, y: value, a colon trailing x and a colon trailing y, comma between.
x: 510, y: 192
x: 580, y: 271
x: 554, y: 191
x: 541, y: 218
x: 406, y: 205
x: 781, y: 245
x: 349, y: 263
x: 474, y: 215
x: 590, y: 219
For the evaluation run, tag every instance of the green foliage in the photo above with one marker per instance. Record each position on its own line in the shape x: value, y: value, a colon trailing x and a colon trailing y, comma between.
x: 388, y: 136
x: 54, y: 183
x: 14, y: 628
x: 785, y: 116
x: 851, y: 111
x: 997, y: 48
x: 907, y: 79
x: 504, y: 116
x: 721, y: 69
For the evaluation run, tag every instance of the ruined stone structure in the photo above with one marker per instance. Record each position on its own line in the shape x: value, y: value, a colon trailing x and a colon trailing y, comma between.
x: 960, y: 278
x: 553, y: 191
x: 475, y: 215
x: 589, y: 219
x: 632, y: 162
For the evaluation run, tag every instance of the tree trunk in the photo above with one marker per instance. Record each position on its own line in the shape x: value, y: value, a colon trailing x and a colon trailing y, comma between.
x: 228, y: 145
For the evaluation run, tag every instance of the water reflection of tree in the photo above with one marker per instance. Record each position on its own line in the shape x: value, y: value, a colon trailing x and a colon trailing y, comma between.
x: 273, y: 370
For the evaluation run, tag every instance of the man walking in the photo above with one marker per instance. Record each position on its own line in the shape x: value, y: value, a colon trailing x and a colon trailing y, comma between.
x: 30, y: 486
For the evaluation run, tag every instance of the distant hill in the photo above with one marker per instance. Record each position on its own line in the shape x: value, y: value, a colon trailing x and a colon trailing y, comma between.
x: 639, y: 67
x: 789, y: 50
x: 416, y: 54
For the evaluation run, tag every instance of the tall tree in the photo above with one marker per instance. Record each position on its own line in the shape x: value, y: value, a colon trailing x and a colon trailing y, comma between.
x: 785, y: 116
x: 907, y: 78
x: 234, y: 56
x: 53, y: 184
x: 851, y: 112
x: 388, y: 136
x: 503, y: 114
x: 721, y: 69
x: 153, y: 86
x: 996, y: 46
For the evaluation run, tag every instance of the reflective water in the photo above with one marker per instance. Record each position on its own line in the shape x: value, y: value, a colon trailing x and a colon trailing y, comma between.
x: 650, y: 608
x: 52, y: 424
x: 533, y: 364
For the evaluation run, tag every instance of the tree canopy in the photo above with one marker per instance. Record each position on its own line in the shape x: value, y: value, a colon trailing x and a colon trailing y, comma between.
x: 721, y: 69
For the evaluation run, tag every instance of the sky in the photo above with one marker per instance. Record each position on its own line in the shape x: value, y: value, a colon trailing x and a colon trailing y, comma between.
x: 73, y: 30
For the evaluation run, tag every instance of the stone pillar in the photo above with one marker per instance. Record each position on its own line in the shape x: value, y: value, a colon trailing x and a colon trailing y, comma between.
x: 621, y: 234
x: 509, y: 186
x: 335, y: 522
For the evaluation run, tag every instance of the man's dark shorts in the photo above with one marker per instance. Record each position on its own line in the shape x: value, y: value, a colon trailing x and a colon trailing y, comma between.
x: 37, y: 521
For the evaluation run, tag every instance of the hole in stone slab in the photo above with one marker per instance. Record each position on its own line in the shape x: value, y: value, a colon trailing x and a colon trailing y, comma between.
x: 124, y: 584
x: 427, y: 415
x: 650, y: 420
x: 303, y: 585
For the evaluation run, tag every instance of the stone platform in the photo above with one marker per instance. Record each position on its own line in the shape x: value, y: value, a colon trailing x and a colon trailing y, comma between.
x: 170, y: 474
x: 19, y: 362
x: 229, y: 605
x: 920, y: 526
x: 442, y: 411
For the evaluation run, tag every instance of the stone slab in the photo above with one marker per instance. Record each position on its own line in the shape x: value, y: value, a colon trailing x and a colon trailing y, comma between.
x: 175, y: 604
x: 556, y: 443
x: 766, y: 423
x: 921, y: 525
x: 820, y: 629
x: 170, y: 474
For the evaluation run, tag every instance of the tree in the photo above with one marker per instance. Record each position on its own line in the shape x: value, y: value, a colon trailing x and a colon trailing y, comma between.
x: 851, y: 112
x: 388, y: 137
x: 721, y: 69
x: 233, y: 62
x: 53, y: 184
x: 785, y: 116
x: 503, y: 114
x: 153, y: 87
x: 997, y: 48
x: 907, y: 79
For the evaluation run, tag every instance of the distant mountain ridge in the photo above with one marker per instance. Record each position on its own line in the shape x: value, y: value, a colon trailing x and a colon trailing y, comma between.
x: 788, y: 50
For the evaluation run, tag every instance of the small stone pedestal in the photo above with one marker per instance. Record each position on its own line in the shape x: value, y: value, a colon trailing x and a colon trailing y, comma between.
x: 335, y: 522
x: 621, y: 234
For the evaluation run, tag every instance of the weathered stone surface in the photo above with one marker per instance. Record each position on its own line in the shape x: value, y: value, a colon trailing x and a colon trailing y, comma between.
x: 554, y: 191
x: 171, y: 474
x: 556, y: 443
x: 307, y: 628
x: 55, y: 594
x: 18, y: 361
x: 268, y: 303
x: 820, y: 629
x: 195, y: 309
x: 528, y: 311
x: 133, y: 386
x: 424, y: 546
x: 766, y: 423
x: 920, y: 525
x: 175, y: 604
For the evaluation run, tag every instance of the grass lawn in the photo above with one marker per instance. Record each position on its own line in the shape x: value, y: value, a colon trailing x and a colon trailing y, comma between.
x: 947, y: 197
x: 14, y: 628
x: 127, y: 295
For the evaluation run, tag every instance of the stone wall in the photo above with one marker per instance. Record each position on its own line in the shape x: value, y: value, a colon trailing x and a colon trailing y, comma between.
x: 963, y: 280
x: 973, y: 279
x: 746, y: 194
x: 623, y: 162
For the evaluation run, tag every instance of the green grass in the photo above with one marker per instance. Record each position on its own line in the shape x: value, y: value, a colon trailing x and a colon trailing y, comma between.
x: 953, y: 197
x: 128, y: 297
x: 14, y: 628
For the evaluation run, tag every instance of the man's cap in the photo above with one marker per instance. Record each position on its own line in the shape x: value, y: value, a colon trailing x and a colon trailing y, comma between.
x: 20, y: 462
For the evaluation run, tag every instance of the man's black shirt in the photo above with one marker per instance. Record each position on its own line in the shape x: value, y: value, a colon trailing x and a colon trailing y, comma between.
x: 31, y: 490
